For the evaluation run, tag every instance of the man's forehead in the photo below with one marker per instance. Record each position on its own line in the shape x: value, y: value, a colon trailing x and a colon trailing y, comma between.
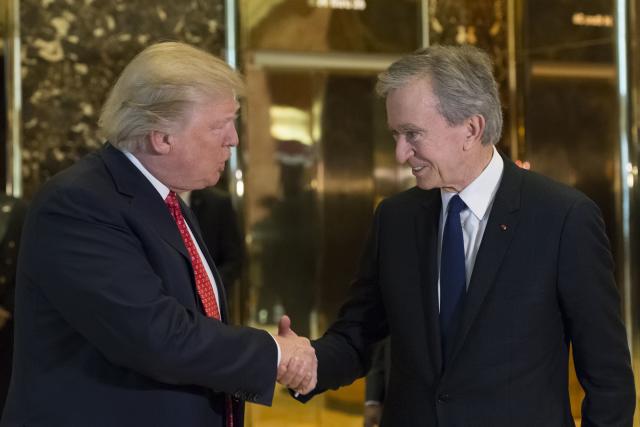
x: 222, y: 102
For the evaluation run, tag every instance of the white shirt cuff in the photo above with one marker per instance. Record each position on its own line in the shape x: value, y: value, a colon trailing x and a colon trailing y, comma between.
x: 278, y: 347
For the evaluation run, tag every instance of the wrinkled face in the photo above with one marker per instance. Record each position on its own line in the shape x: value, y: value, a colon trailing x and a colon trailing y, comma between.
x: 201, y: 147
x: 424, y: 139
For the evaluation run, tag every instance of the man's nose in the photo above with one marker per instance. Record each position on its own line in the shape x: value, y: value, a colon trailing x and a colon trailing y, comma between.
x: 403, y: 150
x: 232, y: 139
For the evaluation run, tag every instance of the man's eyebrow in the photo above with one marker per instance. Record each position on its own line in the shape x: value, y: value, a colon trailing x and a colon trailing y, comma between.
x: 406, y: 127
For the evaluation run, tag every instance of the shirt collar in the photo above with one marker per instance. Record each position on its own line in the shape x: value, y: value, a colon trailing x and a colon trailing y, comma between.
x: 160, y: 187
x: 479, y: 195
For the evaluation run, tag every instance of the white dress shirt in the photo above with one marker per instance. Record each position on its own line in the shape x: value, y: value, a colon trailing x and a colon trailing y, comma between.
x: 478, y: 196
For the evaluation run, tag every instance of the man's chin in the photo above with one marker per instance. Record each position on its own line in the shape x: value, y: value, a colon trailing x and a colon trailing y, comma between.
x: 425, y: 185
x: 213, y: 180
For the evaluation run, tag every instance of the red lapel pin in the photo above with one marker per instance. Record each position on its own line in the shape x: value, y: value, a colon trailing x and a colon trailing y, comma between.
x: 503, y: 227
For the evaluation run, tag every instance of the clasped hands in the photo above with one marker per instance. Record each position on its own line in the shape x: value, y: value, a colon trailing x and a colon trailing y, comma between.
x: 298, y: 368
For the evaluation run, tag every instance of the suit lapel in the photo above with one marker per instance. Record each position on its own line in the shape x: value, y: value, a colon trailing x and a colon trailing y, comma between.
x: 427, y: 221
x: 144, y: 197
x: 500, y: 229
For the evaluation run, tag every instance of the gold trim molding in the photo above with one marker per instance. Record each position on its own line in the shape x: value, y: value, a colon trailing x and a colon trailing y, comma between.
x: 13, y: 82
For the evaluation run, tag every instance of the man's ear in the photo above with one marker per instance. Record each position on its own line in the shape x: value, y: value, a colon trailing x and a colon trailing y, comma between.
x: 475, y: 130
x: 159, y: 142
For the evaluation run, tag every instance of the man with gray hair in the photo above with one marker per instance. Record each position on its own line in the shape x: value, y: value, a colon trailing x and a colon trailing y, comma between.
x: 121, y: 316
x: 483, y: 275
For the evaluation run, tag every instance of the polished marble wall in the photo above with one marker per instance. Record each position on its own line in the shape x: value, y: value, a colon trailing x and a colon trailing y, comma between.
x: 72, y: 52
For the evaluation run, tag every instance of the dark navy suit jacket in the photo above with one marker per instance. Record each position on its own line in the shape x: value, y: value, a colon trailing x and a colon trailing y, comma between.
x: 543, y: 279
x: 109, y: 328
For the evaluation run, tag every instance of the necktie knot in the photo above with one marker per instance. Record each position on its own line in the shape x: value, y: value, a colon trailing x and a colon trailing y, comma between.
x: 174, y: 207
x: 172, y: 200
x: 456, y: 205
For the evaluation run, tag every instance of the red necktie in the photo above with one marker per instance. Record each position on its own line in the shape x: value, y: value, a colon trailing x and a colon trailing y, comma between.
x: 203, y: 284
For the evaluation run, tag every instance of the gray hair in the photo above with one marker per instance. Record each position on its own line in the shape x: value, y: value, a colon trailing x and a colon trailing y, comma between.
x: 157, y: 89
x: 462, y: 80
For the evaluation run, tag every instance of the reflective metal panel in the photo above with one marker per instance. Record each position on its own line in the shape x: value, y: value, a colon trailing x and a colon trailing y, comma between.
x: 568, y: 83
x: 322, y: 26
x: 11, y: 99
x: 569, y: 107
x: 633, y: 258
x: 481, y: 23
x: 310, y: 189
x: 313, y: 129
x: 281, y: 200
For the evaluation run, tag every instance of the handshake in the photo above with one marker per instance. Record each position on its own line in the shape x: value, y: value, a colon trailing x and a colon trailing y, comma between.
x: 298, y: 368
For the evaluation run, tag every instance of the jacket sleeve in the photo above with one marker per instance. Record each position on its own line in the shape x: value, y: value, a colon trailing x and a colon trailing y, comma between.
x: 591, y: 307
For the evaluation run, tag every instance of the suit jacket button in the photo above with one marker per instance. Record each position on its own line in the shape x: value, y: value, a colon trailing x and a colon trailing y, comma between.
x: 443, y: 397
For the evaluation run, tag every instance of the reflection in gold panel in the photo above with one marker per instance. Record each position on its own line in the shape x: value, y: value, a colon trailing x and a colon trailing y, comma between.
x: 315, y: 152
x: 561, y: 116
x: 634, y: 145
x: 320, y: 26
x: 310, y: 188
x: 11, y: 101
x: 633, y: 257
x: 568, y: 107
x: 481, y: 23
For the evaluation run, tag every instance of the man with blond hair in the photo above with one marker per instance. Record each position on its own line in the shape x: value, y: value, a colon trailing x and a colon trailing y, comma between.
x: 121, y: 316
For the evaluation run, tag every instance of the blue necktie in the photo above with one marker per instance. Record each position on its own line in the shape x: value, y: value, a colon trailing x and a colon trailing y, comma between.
x: 452, y: 271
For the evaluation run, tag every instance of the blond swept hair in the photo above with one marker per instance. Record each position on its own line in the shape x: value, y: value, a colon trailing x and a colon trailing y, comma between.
x: 461, y: 78
x: 158, y: 87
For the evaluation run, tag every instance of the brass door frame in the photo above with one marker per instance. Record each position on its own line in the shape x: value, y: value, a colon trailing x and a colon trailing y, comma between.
x: 13, y: 84
x: 626, y: 166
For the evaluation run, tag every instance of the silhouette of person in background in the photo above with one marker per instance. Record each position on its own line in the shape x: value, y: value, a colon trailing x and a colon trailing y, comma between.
x: 290, y: 240
x: 12, y: 213
x: 220, y: 230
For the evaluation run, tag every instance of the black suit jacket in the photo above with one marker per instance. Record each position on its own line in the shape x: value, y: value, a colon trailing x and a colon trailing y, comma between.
x: 109, y: 328
x: 543, y: 279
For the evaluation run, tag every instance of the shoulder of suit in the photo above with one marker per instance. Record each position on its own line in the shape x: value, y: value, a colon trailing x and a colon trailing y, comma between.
x: 409, y: 198
x: 87, y: 179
